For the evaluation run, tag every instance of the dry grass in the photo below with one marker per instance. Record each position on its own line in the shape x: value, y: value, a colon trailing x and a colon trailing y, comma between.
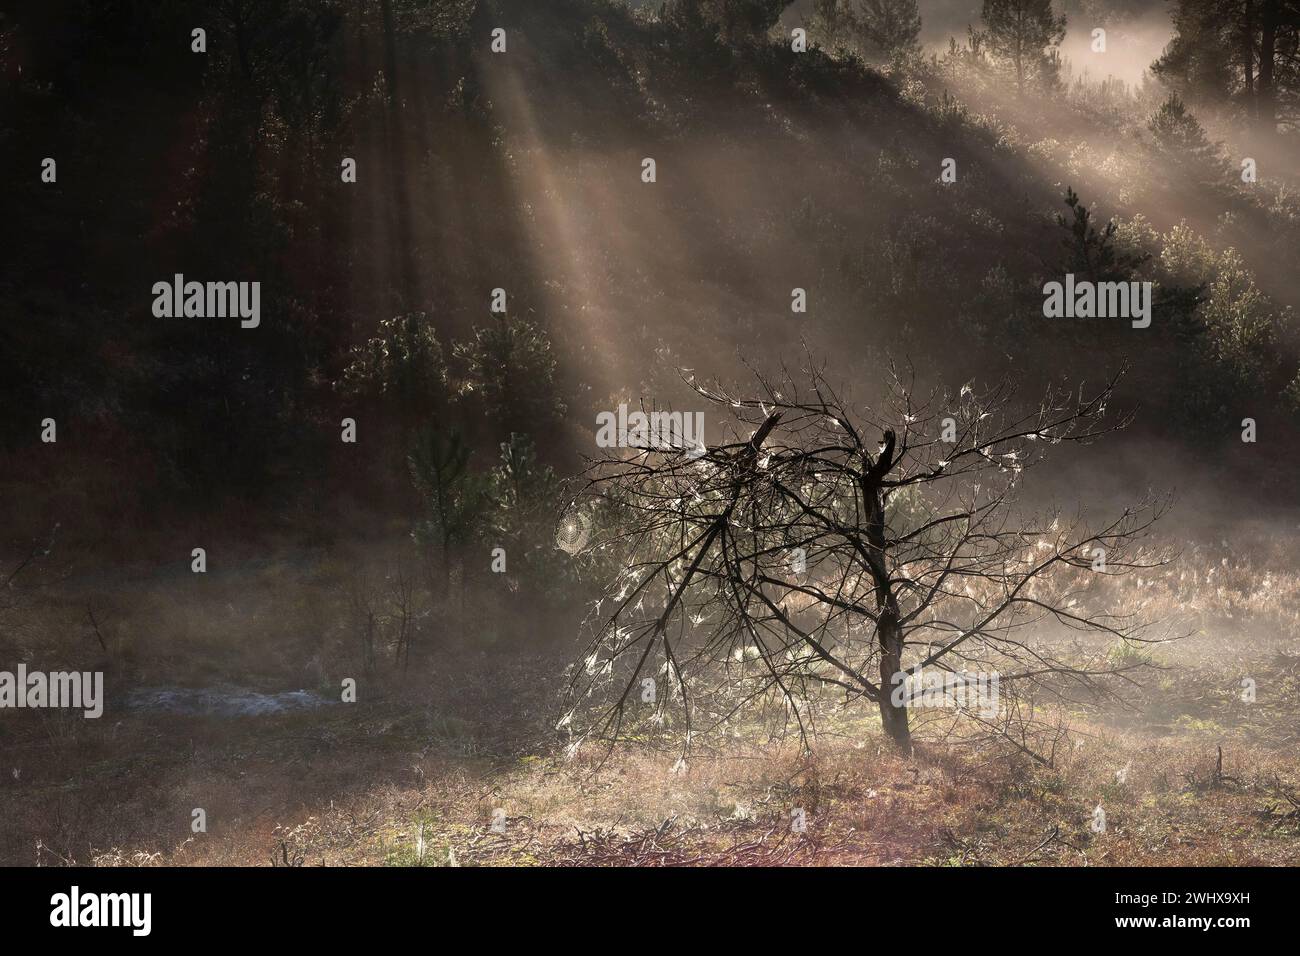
x: 456, y: 763
x: 365, y: 785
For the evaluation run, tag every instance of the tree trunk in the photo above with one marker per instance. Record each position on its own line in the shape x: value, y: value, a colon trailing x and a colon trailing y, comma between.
x: 399, y: 199
x: 1248, y: 57
x: 889, y: 629
x: 1265, y: 98
x: 893, y: 718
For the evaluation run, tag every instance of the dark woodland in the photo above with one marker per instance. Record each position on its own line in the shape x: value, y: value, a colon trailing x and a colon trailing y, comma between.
x: 386, y: 574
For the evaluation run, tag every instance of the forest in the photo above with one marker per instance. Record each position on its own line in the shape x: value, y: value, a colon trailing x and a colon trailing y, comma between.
x: 650, y: 433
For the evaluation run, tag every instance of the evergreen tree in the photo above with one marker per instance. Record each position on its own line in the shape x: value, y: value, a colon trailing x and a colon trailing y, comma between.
x: 733, y: 20
x: 523, y: 501
x: 1238, y: 54
x: 887, y: 28
x: 1024, y: 35
x: 1092, y: 253
x: 453, y: 497
x: 879, y: 30
x: 402, y: 366
x: 510, y: 366
x: 1182, y: 138
x: 1194, y: 64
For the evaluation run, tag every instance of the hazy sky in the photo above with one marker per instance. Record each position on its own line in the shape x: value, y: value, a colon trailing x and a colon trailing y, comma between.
x: 1132, y: 42
x: 1130, y: 46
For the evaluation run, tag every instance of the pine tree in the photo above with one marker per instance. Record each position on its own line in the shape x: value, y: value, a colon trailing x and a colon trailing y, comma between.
x: 887, y: 28
x: 1024, y: 34
x: 733, y: 20
x: 877, y: 29
x: 403, y: 367
x: 1092, y: 253
x: 510, y: 366
x: 453, y: 496
x: 1237, y: 54
x: 1182, y: 138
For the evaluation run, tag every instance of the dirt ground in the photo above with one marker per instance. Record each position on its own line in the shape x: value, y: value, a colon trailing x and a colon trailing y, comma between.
x: 462, y: 769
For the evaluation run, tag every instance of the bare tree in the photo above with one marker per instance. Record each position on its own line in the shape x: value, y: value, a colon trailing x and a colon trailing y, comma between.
x: 402, y: 600
x: 801, y: 562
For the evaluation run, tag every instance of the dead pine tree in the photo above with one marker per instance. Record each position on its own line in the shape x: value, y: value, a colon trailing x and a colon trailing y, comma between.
x: 825, y: 551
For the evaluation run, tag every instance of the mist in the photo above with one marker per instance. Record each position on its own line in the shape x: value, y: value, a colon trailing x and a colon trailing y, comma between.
x: 380, y: 565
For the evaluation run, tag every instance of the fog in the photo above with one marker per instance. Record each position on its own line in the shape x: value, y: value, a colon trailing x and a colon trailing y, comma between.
x: 1132, y: 45
x: 354, y: 571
